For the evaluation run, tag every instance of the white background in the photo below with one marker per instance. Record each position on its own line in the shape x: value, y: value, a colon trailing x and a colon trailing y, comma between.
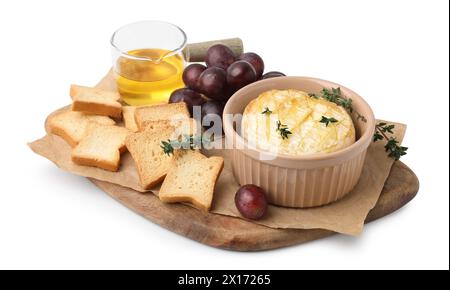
x: 393, y: 53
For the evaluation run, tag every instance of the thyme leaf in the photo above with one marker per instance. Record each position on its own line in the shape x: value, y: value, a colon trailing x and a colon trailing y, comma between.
x: 283, y: 130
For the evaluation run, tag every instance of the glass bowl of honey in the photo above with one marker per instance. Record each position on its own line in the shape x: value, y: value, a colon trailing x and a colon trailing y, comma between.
x: 148, y: 61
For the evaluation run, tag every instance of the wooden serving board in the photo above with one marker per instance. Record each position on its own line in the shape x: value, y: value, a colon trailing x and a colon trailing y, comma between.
x: 236, y: 234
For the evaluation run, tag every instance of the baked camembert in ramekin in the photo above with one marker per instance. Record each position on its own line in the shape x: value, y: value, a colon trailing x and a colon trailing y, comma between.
x: 294, y: 123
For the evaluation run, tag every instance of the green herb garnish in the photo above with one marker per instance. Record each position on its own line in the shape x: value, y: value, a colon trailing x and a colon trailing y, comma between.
x: 327, y: 121
x: 186, y: 142
x: 335, y: 96
x: 283, y: 129
x: 392, y: 145
x: 266, y: 111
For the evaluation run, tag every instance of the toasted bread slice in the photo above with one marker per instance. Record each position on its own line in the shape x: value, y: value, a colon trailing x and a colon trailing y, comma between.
x: 71, y: 125
x: 192, y: 179
x: 95, y: 101
x: 101, y: 146
x: 163, y: 112
x: 145, y: 148
x: 128, y: 118
x: 180, y: 127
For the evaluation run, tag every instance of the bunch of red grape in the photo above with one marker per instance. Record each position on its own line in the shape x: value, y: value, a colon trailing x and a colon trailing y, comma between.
x: 212, y: 85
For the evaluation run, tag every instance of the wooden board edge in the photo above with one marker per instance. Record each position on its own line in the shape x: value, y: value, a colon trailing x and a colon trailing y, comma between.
x: 253, y: 237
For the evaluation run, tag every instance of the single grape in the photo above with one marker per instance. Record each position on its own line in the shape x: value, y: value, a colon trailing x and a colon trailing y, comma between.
x: 212, y: 109
x: 255, y: 60
x: 191, y: 74
x: 190, y: 97
x: 272, y: 74
x: 240, y: 74
x: 212, y: 82
x: 251, y: 201
x: 220, y: 56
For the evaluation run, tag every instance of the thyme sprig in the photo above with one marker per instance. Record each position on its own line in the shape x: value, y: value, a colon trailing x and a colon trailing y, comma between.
x: 283, y: 130
x: 392, y: 146
x: 335, y: 96
x: 186, y: 142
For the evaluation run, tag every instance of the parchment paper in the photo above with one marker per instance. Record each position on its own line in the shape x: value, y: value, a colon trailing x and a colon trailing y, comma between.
x: 345, y: 216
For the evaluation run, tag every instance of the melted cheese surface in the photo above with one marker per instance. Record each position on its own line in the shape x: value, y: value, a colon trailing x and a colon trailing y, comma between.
x: 302, y: 115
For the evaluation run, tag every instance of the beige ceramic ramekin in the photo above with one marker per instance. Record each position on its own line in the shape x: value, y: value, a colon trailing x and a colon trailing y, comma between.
x: 298, y: 181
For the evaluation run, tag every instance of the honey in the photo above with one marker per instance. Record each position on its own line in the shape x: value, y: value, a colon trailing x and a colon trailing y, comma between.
x: 150, y: 77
